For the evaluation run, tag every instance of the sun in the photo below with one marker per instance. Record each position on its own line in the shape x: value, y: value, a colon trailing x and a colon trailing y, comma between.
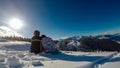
x: 16, y: 23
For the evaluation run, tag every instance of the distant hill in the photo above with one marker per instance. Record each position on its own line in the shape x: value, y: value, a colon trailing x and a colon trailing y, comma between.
x: 105, y: 42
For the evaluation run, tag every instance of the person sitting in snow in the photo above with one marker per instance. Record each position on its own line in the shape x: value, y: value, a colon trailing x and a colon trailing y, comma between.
x: 36, y: 46
x: 49, y: 45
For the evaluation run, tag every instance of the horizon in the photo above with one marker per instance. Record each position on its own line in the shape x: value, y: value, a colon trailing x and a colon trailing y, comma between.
x: 12, y: 33
x: 61, y: 18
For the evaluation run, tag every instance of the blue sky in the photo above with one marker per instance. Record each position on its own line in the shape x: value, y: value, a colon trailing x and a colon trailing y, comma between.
x: 62, y: 18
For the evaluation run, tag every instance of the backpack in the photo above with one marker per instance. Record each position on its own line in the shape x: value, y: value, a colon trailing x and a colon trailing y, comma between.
x: 49, y: 45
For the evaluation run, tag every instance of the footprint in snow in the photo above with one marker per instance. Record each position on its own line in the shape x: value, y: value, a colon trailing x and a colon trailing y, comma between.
x: 37, y: 63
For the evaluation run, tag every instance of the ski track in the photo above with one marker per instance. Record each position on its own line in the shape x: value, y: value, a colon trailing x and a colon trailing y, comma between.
x: 99, y: 62
x: 103, y: 60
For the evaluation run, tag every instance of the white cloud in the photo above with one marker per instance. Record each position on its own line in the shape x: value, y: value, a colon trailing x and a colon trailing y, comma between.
x: 112, y: 31
x: 6, y: 31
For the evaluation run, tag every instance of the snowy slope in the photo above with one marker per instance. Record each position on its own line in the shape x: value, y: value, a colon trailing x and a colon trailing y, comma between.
x: 14, y: 54
x: 114, y: 62
x: 14, y: 45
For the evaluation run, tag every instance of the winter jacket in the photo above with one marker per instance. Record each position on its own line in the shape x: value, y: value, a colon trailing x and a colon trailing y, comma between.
x: 36, y: 46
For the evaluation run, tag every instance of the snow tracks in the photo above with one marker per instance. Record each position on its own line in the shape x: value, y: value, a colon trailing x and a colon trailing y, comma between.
x: 99, y: 62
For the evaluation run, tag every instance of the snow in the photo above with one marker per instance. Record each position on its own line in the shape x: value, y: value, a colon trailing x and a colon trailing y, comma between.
x: 114, y: 62
x: 3, y: 40
x: 15, y: 45
x: 37, y: 63
x: 14, y: 54
x: 13, y: 62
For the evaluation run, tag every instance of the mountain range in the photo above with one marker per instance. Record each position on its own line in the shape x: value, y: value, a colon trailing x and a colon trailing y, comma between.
x: 105, y: 42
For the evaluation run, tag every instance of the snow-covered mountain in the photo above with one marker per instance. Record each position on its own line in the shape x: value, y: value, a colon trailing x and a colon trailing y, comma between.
x: 112, y: 36
x: 105, y: 42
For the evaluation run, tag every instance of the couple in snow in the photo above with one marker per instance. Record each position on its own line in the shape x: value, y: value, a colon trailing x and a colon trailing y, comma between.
x: 42, y: 44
